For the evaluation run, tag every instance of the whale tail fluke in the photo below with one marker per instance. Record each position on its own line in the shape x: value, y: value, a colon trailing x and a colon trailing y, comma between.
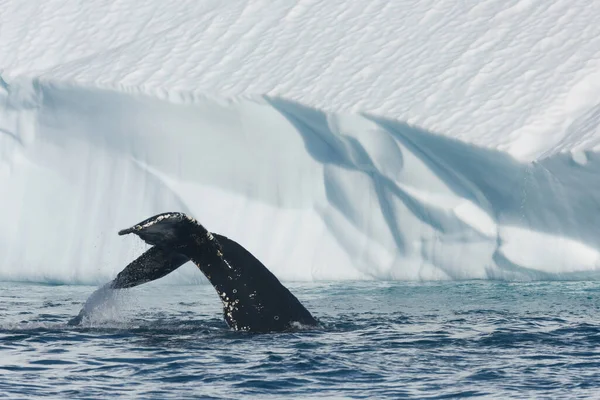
x: 253, y: 298
x: 165, y: 230
x: 153, y: 264
x: 150, y: 266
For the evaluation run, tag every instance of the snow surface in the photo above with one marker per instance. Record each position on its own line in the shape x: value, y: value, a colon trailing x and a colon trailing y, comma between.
x: 334, y: 139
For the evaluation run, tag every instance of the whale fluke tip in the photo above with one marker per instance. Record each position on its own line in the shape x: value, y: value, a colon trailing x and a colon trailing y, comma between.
x: 126, y: 231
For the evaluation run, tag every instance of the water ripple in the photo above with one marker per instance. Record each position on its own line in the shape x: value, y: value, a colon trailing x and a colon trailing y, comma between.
x: 407, y: 341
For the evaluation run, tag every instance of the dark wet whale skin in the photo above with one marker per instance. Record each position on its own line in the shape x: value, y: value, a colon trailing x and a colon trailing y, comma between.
x: 253, y: 298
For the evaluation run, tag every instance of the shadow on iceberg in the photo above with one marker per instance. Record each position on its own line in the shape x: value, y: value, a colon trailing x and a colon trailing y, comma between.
x: 441, y: 197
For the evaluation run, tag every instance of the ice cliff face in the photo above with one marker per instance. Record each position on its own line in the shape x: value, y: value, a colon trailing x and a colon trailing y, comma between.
x: 314, y: 195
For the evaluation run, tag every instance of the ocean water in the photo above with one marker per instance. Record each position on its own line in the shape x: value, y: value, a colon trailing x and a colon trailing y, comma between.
x: 377, y: 340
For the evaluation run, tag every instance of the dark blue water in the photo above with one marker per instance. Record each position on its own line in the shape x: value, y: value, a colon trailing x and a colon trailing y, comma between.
x: 378, y: 340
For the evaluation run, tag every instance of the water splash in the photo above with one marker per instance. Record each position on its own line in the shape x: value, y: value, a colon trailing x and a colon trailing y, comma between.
x: 102, y: 304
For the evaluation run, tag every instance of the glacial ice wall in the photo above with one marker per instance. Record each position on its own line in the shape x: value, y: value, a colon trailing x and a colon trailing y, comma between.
x: 314, y: 195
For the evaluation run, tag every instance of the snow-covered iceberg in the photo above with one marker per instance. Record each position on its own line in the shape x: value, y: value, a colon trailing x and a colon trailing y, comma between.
x: 315, y: 195
x: 417, y: 139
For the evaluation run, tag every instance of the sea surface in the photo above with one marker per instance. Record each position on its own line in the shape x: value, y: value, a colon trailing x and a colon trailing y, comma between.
x: 377, y: 340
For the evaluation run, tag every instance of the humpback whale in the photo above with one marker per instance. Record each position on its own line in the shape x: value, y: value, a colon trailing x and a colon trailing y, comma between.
x: 253, y: 298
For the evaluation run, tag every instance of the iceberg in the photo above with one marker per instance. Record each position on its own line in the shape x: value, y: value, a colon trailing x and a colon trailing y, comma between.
x: 315, y: 195
x: 415, y: 140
